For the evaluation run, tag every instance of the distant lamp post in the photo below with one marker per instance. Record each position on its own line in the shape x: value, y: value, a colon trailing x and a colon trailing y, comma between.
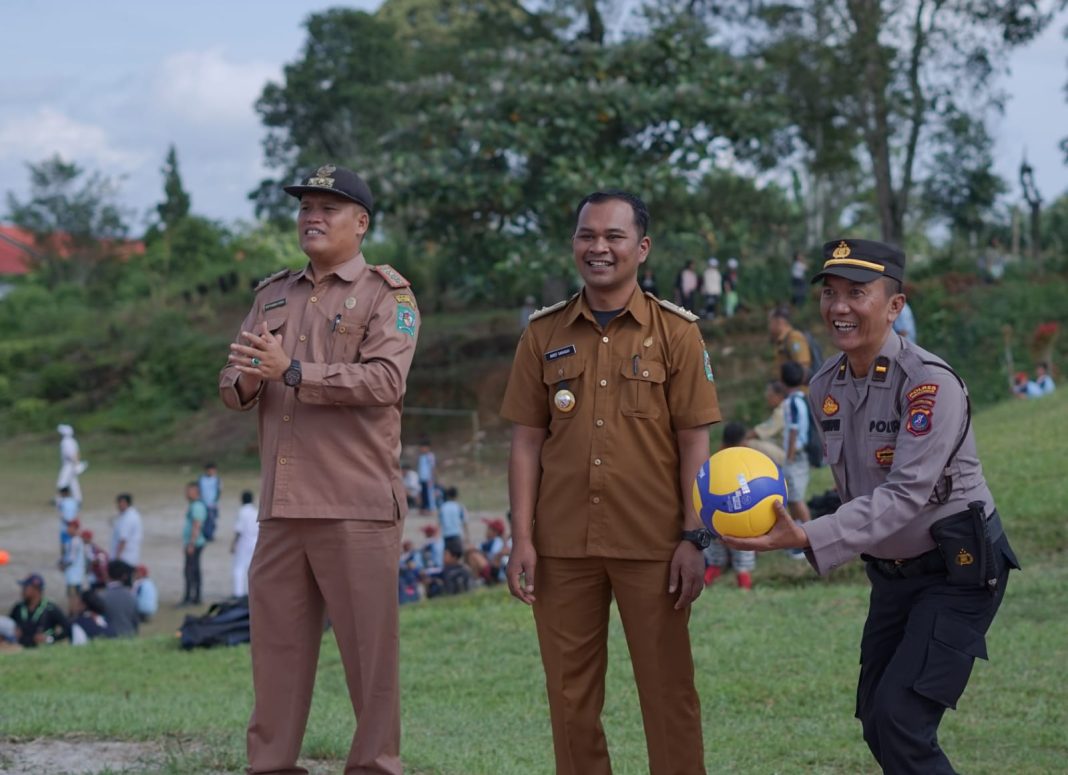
x: 1034, y: 199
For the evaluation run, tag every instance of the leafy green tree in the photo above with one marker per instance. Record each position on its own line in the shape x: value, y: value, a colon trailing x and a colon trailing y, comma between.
x: 175, y: 205
x: 892, y: 68
x: 74, y: 217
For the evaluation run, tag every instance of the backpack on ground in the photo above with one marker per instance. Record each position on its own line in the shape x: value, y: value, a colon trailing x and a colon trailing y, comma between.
x: 225, y: 624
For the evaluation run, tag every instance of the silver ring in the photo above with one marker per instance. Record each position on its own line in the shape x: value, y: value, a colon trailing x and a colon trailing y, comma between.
x: 256, y: 362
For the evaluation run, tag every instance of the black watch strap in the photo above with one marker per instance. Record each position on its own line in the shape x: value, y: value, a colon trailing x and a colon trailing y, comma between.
x: 700, y: 538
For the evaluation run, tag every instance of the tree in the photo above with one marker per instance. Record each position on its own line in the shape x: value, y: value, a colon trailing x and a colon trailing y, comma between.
x: 74, y: 218
x: 895, y: 68
x: 175, y: 205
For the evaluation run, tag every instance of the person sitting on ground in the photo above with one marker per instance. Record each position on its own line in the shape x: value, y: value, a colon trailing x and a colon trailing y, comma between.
x: 454, y: 574
x: 117, y: 600
x: 38, y: 621
x: 87, y: 619
x: 1041, y: 385
x: 97, y: 561
x: 409, y: 573
x: 485, y: 561
x: 146, y: 593
x: 433, y: 550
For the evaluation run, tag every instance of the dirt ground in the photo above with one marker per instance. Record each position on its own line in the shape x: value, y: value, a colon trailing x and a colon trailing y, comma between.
x: 29, y: 532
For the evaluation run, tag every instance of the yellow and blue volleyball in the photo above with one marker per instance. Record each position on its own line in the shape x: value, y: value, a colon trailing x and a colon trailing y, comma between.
x: 735, y: 492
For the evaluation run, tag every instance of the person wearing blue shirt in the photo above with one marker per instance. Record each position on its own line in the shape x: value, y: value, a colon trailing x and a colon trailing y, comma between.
x: 453, y: 520
x: 210, y: 490
x: 906, y: 323
x: 796, y: 428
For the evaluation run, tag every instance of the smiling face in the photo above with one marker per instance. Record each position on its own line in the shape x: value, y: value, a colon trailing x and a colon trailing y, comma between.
x: 608, y: 251
x: 858, y: 317
x: 330, y: 227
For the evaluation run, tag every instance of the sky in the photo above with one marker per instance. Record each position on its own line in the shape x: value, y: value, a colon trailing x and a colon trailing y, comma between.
x: 110, y: 84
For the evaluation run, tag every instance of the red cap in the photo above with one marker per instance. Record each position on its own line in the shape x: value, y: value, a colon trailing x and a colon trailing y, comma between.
x: 496, y: 524
x: 87, y: 535
x: 430, y: 530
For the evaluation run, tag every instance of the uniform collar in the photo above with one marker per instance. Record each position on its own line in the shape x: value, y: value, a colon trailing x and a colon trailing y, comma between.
x: 637, y: 307
x: 347, y: 271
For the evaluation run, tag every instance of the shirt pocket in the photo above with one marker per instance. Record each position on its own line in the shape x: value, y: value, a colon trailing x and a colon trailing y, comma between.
x: 275, y: 322
x: 832, y: 448
x: 561, y: 375
x: 345, y: 341
x: 643, y: 388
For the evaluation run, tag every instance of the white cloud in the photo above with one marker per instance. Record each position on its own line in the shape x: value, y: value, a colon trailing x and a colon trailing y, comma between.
x: 48, y: 132
x: 202, y: 87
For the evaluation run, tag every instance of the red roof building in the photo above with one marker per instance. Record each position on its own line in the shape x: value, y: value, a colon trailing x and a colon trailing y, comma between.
x: 18, y: 247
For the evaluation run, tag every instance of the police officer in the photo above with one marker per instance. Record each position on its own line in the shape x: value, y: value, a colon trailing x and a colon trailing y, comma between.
x: 896, y: 424
x: 611, y: 394
x: 324, y: 354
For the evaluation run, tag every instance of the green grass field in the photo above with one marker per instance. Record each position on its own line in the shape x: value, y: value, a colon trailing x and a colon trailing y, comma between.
x: 776, y: 667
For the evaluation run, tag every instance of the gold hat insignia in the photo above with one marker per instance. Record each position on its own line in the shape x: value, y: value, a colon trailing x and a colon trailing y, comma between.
x: 322, y: 176
x: 842, y: 251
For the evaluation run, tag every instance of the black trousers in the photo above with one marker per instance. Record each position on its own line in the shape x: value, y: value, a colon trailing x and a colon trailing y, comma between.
x: 920, y: 641
x: 192, y: 576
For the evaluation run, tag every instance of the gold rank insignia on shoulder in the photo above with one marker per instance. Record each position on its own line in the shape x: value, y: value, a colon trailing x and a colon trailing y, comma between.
x: 842, y: 250
x: 270, y: 279
x: 547, y: 310
x: 964, y: 557
x: 684, y: 313
x: 322, y: 176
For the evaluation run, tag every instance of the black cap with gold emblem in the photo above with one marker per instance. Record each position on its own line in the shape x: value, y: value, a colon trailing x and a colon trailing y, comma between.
x: 861, y: 261
x: 336, y: 180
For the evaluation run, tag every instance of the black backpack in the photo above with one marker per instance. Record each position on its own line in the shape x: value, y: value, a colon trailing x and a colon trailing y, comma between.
x: 816, y: 354
x: 225, y: 624
x: 813, y: 447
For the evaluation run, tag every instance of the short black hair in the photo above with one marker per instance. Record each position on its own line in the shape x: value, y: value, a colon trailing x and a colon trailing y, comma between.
x: 451, y: 493
x: 125, y: 496
x: 781, y: 311
x: 793, y: 375
x: 209, y: 465
x: 637, y: 206
x: 733, y: 434
x: 246, y: 496
x: 777, y: 387
x: 893, y: 286
x: 120, y: 571
x: 64, y: 490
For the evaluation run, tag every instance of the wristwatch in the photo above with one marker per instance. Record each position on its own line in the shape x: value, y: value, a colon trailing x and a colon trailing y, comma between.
x: 291, y: 376
x: 700, y: 538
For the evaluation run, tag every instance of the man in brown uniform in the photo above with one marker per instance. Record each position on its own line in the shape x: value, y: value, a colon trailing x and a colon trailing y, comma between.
x: 896, y: 425
x: 324, y: 353
x: 611, y: 396
x: 790, y: 344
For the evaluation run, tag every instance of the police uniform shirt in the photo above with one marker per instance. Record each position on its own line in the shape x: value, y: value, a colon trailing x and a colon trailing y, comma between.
x: 888, y: 437
x: 330, y: 449
x: 610, y: 464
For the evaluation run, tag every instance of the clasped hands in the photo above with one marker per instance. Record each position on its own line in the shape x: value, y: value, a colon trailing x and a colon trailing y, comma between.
x: 263, y: 356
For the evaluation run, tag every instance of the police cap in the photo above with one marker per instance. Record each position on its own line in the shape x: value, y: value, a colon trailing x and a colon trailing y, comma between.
x: 336, y: 180
x: 861, y: 261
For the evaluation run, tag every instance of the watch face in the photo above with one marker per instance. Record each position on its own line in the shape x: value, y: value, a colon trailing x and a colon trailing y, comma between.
x: 291, y: 376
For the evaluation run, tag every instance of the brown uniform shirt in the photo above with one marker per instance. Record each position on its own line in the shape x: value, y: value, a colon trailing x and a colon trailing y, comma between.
x: 792, y: 346
x: 331, y: 448
x: 889, y: 436
x: 610, y: 467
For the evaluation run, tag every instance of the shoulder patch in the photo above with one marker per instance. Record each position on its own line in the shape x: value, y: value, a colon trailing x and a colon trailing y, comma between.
x: 682, y: 313
x: 270, y: 279
x: 547, y: 310
x: 392, y: 277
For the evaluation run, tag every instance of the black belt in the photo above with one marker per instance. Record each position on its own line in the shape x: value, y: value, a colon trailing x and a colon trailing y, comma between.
x: 926, y: 564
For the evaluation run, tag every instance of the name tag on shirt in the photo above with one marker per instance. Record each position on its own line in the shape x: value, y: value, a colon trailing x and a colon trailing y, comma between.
x: 560, y: 352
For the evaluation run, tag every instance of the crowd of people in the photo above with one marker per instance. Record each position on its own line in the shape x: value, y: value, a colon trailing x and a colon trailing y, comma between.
x: 107, y: 588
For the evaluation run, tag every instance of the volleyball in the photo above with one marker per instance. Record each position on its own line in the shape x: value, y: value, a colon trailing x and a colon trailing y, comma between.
x: 735, y: 492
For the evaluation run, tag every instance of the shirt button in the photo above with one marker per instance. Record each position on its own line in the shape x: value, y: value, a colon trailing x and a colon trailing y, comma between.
x: 604, y: 339
x: 645, y: 373
x: 597, y: 461
x: 596, y: 499
x: 604, y: 383
x: 313, y: 299
x: 341, y: 329
x: 600, y: 423
x: 303, y: 338
x: 285, y: 418
x: 281, y: 461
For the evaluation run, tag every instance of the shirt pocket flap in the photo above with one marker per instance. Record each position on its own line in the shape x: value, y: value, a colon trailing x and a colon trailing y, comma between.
x: 960, y: 636
x: 645, y: 371
x: 562, y: 370
x: 275, y: 320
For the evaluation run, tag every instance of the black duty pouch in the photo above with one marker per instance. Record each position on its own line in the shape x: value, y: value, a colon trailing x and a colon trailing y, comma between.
x: 964, y: 541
